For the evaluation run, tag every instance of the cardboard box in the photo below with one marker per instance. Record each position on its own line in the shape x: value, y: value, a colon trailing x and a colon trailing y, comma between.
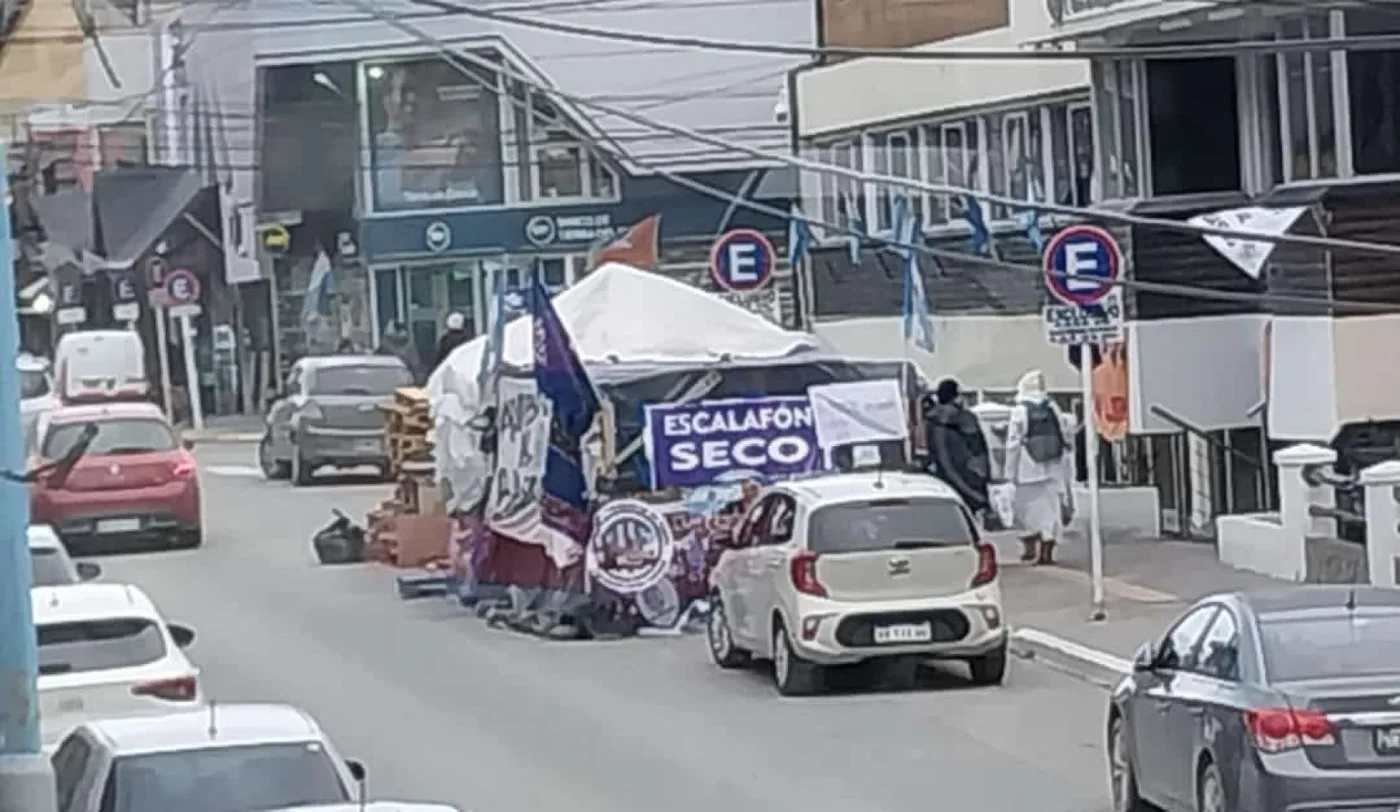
x: 421, y: 539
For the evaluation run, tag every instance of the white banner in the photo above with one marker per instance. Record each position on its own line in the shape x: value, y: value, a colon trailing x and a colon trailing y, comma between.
x: 522, y: 445
x: 1248, y: 255
x: 858, y: 412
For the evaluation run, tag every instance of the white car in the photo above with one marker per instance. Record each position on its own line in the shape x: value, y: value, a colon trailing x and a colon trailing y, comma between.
x: 50, y: 564
x: 229, y: 758
x: 104, y: 651
x: 853, y: 568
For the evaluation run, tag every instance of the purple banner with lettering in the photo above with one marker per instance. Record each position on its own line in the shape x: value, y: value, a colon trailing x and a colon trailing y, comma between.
x: 709, y: 441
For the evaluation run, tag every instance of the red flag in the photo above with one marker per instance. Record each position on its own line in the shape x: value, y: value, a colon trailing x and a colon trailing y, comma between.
x: 637, y: 247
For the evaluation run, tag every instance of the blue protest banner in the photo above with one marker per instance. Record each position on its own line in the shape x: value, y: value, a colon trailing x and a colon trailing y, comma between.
x: 693, y: 444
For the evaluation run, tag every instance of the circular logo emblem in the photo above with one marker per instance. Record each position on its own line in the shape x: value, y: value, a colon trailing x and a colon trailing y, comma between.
x: 541, y: 230
x: 631, y: 547
x: 741, y: 260
x: 438, y: 236
x: 182, y: 287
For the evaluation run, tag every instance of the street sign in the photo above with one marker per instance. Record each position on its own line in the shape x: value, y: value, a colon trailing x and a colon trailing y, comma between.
x: 1082, y: 266
x: 181, y: 289
x: 125, y: 305
x: 741, y: 260
x: 67, y: 283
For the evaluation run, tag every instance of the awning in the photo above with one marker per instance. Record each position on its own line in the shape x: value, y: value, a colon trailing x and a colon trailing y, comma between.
x: 134, y: 206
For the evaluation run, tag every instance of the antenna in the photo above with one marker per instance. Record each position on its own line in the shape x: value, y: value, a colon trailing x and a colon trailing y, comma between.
x: 213, y: 720
x: 880, y: 478
x: 1351, y: 600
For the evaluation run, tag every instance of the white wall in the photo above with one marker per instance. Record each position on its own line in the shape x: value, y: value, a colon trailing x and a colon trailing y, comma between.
x: 868, y: 91
x: 1208, y: 371
x: 1327, y: 373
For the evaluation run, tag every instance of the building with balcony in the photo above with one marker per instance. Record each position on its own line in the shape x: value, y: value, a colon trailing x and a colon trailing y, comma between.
x: 399, y: 185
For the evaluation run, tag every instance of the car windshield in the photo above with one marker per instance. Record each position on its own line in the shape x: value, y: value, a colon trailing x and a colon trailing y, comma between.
x: 249, y: 778
x: 114, y: 436
x: 1338, y: 644
x: 50, y: 567
x: 33, y: 383
x: 887, y: 524
x: 376, y: 379
x: 97, y: 645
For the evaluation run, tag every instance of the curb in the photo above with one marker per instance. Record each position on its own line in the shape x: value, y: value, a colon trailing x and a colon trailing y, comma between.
x: 223, y: 437
x: 1079, y: 661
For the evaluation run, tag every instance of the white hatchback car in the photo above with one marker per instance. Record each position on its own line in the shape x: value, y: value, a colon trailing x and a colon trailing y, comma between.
x: 851, y: 568
x: 104, y: 650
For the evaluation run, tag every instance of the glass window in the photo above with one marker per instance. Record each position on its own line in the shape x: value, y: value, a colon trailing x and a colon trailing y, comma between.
x: 98, y: 645
x: 886, y: 524
x: 69, y: 762
x: 996, y: 162
x: 120, y: 436
x: 560, y: 168
x: 1060, y: 162
x: 902, y: 163
x: 1330, y: 643
x: 880, y: 155
x: 935, y: 206
x: 1300, y: 164
x: 1081, y: 131
x: 435, y: 135
x: 248, y: 778
x: 555, y: 273
x: 356, y: 379
x: 1128, y: 111
x: 1180, y: 643
x: 848, y: 196
x: 1320, y: 71
x: 957, y: 154
x: 1219, y: 655
x: 603, y: 178
x: 50, y: 567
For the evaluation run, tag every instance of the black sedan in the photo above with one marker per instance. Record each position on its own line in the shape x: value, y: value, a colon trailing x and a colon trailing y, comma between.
x: 1273, y: 701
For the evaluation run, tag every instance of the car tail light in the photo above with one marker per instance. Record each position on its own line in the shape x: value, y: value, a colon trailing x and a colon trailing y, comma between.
x: 803, y: 570
x: 1274, y: 730
x: 178, y: 689
x: 184, y: 466
x: 986, y: 565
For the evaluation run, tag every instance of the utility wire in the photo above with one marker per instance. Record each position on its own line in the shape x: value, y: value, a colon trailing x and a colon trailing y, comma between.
x: 1185, y: 291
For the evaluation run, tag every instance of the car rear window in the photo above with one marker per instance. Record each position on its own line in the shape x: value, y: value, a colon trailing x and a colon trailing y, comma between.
x: 50, y: 567
x: 251, y: 778
x: 33, y: 384
x: 886, y: 524
x: 377, y: 379
x: 1340, y: 644
x: 114, y: 436
x: 97, y: 645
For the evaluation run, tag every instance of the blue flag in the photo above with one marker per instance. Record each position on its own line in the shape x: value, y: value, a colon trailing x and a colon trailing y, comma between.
x: 561, y: 378
x: 799, y: 239
x: 981, y: 235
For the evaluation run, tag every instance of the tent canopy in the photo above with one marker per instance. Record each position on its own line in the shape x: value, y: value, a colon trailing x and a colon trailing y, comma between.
x: 621, y: 315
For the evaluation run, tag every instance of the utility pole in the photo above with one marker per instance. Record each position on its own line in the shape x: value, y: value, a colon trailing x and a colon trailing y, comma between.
x: 26, y: 779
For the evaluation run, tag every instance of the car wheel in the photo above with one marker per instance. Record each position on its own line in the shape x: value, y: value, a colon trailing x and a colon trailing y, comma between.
x: 990, y: 668
x: 272, y: 468
x: 1210, y: 790
x: 301, y: 468
x: 723, y: 652
x: 793, y: 675
x: 1122, y: 775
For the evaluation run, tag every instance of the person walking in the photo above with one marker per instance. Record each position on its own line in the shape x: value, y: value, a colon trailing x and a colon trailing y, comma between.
x: 958, y: 452
x: 397, y: 341
x: 1040, y: 463
x: 453, y: 336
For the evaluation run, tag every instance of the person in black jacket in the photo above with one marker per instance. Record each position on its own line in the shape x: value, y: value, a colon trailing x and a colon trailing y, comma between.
x: 454, y: 336
x: 958, y: 452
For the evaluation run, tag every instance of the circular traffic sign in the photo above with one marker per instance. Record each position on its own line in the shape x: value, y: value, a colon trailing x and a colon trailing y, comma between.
x: 1082, y: 264
x: 741, y: 260
x: 182, y: 287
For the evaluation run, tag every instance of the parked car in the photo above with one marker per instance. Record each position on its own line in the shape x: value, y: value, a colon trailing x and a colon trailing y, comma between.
x: 101, y: 365
x: 50, y: 563
x: 136, y: 481
x: 874, y: 567
x: 104, y: 650
x: 36, y: 391
x: 329, y: 413
x: 233, y: 758
x: 1275, y: 700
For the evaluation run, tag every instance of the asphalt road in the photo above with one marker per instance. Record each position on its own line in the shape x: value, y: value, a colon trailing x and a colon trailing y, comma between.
x: 442, y: 708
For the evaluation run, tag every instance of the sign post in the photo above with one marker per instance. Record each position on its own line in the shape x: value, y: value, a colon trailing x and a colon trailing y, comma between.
x: 177, y: 298
x: 1083, y: 265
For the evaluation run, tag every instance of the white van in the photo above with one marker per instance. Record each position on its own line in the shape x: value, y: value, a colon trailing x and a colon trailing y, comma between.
x: 101, y: 365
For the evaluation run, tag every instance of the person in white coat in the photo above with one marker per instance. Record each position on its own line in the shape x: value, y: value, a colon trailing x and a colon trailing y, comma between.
x: 1040, y: 464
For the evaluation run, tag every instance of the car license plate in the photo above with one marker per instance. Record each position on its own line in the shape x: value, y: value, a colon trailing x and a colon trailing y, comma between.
x: 1387, y: 740
x: 904, y: 633
x: 118, y: 525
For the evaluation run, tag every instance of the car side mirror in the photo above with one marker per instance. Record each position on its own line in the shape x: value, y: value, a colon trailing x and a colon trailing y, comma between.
x: 1146, y: 659
x: 359, y: 773
x: 182, y: 635
x: 88, y: 571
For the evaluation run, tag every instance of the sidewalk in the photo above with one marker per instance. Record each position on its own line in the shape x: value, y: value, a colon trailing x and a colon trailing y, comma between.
x: 1147, y: 583
x: 230, y: 428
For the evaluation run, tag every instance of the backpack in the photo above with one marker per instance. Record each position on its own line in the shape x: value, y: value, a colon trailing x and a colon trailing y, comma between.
x: 1044, y: 440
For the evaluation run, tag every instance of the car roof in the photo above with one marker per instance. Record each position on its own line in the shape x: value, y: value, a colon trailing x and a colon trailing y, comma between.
x: 88, y: 412
x: 325, y: 361
x: 43, y: 537
x: 865, y: 485
x: 77, y: 602
x: 1316, y: 597
x: 220, y: 725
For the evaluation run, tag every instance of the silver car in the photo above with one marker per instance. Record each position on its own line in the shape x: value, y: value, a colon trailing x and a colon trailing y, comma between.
x: 329, y: 414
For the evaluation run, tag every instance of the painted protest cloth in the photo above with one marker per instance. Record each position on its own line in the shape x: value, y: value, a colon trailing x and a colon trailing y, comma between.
x: 700, y: 443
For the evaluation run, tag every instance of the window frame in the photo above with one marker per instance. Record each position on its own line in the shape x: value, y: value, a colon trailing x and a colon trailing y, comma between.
x: 1225, y: 613
x: 1186, y: 662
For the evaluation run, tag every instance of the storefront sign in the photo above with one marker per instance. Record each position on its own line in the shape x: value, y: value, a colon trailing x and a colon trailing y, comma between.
x: 435, y: 136
x: 125, y: 295
x: 437, y: 236
x: 1061, y: 11
x: 522, y: 444
x: 692, y: 444
x: 544, y: 230
x: 858, y: 412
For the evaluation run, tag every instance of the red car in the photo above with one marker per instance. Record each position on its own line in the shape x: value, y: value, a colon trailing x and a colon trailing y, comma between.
x: 137, y: 481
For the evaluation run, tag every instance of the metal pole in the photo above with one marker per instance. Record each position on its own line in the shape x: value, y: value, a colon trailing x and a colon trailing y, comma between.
x: 1091, y: 465
x: 187, y: 335
x: 163, y: 347
x: 26, y: 779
